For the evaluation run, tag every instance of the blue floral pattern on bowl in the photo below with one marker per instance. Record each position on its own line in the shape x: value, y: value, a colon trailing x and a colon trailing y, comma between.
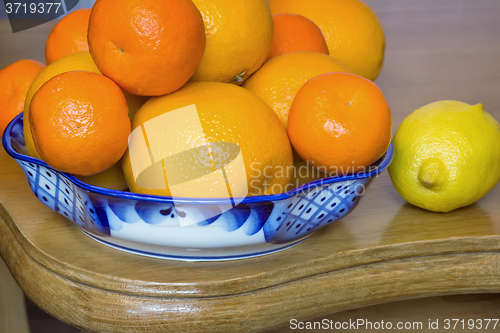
x: 151, y: 225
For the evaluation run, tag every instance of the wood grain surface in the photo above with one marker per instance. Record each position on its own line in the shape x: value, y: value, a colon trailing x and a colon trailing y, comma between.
x: 385, y: 250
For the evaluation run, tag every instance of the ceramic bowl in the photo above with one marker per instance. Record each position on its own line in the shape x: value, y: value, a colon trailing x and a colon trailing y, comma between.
x: 191, y: 229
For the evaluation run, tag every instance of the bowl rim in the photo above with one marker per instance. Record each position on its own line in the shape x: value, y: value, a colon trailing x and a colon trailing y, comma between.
x: 378, y: 167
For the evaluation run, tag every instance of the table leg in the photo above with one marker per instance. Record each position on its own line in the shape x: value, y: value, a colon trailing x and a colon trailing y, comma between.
x: 13, y: 317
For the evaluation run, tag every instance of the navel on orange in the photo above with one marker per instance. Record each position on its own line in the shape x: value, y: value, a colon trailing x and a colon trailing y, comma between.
x: 79, y: 122
x: 340, y: 122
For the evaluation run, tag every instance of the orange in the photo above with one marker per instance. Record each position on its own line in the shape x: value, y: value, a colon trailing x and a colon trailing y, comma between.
x: 79, y: 122
x: 15, y: 81
x: 351, y: 28
x: 239, y: 38
x: 296, y: 33
x: 340, y: 122
x: 279, y: 80
x: 148, y: 47
x: 68, y: 36
x: 203, y: 128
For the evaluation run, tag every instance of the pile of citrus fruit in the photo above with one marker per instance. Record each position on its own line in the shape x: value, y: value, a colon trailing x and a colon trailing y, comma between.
x: 287, y: 82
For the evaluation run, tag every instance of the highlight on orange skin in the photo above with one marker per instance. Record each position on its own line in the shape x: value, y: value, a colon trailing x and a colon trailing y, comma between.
x: 79, y: 122
x: 296, y: 33
x: 15, y: 80
x: 340, y: 122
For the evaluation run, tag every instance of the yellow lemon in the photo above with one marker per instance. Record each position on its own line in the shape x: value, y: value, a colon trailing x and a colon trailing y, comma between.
x: 447, y: 156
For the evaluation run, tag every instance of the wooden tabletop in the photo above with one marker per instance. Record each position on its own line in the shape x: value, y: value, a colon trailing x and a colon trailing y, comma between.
x: 385, y: 250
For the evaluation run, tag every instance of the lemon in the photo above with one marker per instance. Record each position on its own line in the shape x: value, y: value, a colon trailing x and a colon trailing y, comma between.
x: 447, y: 156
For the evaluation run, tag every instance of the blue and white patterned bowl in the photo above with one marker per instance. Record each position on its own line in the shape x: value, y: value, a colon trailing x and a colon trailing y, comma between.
x: 152, y: 225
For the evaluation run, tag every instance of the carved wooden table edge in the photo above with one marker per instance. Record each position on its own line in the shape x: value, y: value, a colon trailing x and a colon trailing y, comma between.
x: 336, y: 262
x: 473, y: 270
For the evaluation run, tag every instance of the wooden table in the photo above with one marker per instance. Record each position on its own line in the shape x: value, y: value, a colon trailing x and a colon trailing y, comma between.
x: 385, y: 250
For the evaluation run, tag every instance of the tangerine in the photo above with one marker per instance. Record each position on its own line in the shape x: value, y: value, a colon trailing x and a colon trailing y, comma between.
x: 340, y: 122
x: 79, y: 122
x: 296, y: 33
x: 80, y: 61
x: 147, y: 47
x: 68, y: 36
x: 239, y: 38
